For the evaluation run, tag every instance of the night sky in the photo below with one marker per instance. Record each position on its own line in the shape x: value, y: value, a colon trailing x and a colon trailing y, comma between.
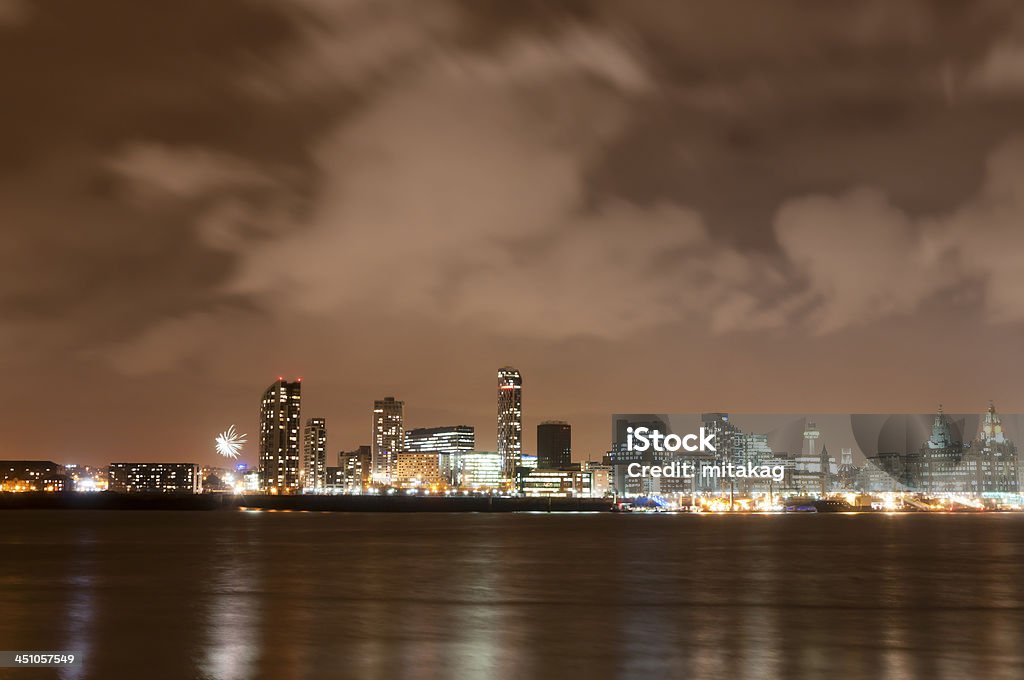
x: 787, y: 206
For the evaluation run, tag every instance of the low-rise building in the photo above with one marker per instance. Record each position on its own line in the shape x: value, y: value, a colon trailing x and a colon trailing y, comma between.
x: 155, y: 478
x: 565, y: 483
x: 419, y: 469
x: 32, y: 475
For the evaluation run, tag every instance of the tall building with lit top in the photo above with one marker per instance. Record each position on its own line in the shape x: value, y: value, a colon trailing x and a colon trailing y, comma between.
x: 279, y: 436
x: 388, y: 437
x: 314, y: 454
x: 510, y: 420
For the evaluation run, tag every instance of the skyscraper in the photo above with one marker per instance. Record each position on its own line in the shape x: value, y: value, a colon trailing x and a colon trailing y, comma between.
x: 314, y: 454
x: 554, y: 445
x: 510, y: 420
x: 388, y: 437
x: 279, y: 437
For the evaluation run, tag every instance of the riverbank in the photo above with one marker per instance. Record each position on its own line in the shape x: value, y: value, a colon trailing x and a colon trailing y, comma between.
x: 108, y: 500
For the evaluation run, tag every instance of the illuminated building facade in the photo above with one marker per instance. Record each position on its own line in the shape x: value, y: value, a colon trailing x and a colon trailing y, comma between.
x: 155, y: 478
x: 564, y: 483
x: 334, y: 480
x: 422, y: 469
x: 620, y: 457
x: 314, y: 454
x: 991, y: 460
x: 32, y: 475
x: 279, y: 436
x: 451, y: 443
x: 846, y: 477
x: 988, y: 464
x: 388, y: 437
x: 554, y: 445
x: 510, y: 420
x: 357, y: 468
x: 482, y: 470
x: 600, y: 478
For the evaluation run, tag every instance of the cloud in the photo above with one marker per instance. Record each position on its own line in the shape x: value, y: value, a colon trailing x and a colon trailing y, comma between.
x: 862, y: 259
x: 458, y: 184
x: 439, y: 188
x: 988, y: 235
x: 163, y: 345
x: 1002, y: 69
x: 13, y: 12
x: 160, y: 171
x: 349, y: 44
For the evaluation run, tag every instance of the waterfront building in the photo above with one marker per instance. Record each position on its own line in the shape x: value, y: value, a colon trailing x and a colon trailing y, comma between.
x: 388, y: 437
x: 216, y: 479
x: 32, y: 475
x: 419, y: 470
x: 601, y: 476
x: 334, y: 479
x: 620, y: 457
x: 945, y: 464
x: 846, y: 477
x: 314, y: 455
x: 554, y: 445
x: 357, y: 468
x: 279, y: 437
x: 451, y: 442
x: 992, y: 459
x: 564, y: 483
x: 482, y: 470
x: 155, y: 478
x: 251, y: 481
x: 510, y: 420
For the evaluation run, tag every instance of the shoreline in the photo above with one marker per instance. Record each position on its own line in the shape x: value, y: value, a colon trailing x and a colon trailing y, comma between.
x: 108, y: 500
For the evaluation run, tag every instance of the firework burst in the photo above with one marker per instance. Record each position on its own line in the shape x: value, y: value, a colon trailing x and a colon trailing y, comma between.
x: 229, y: 443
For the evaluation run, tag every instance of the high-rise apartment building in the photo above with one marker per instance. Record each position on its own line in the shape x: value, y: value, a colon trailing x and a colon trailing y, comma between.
x: 357, y: 468
x: 554, y: 445
x: 314, y: 454
x: 510, y: 420
x: 279, y: 436
x: 388, y: 437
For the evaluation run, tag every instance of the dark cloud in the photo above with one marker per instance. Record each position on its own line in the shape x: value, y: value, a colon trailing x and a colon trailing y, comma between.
x: 399, y: 197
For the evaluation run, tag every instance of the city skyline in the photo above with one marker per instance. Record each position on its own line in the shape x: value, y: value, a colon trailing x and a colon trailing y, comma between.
x: 913, y: 462
x: 207, y: 455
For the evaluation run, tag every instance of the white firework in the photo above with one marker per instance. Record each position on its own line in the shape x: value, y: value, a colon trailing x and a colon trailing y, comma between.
x: 229, y: 443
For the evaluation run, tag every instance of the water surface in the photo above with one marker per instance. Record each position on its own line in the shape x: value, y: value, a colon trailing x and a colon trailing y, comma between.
x: 231, y: 595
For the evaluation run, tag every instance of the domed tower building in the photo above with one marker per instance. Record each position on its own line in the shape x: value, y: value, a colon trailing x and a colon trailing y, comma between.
x: 992, y: 460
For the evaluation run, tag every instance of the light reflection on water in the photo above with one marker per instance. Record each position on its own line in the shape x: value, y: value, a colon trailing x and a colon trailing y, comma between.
x: 304, y: 595
x: 231, y: 645
x: 79, y: 620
